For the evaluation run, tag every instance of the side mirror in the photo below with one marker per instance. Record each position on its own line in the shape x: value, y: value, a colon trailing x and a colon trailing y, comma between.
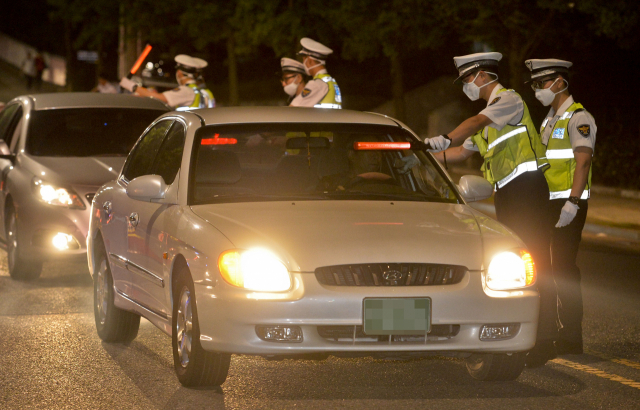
x: 147, y: 188
x: 4, y: 148
x: 474, y: 188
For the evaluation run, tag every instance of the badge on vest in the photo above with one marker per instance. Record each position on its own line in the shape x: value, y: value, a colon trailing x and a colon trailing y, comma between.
x: 306, y: 92
x: 584, y: 130
x: 495, y: 100
x: 558, y: 133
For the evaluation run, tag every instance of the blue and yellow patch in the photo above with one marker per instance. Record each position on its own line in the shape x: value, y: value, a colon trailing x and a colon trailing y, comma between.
x: 306, y: 92
x: 584, y: 130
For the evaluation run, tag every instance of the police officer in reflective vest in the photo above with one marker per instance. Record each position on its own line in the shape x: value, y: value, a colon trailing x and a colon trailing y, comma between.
x: 187, y: 95
x: 294, y: 77
x: 569, y: 132
x: 514, y: 161
x: 322, y: 91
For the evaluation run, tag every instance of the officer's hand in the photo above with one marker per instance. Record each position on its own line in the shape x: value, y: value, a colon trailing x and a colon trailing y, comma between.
x: 404, y: 164
x: 569, y: 212
x: 438, y: 144
x: 128, y: 84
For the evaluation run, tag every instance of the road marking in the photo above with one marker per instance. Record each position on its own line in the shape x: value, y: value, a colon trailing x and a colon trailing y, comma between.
x: 614, y: 359
x: 598, y: 372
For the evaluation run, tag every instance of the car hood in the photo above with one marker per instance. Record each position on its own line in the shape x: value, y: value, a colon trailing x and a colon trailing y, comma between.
x: 310, y: 234
x: 92, y: 171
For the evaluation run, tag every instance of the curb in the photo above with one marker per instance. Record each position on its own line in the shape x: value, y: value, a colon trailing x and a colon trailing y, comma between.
x: 622, y: 233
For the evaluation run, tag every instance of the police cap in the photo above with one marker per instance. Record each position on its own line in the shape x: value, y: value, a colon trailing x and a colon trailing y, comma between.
x: 314, y: 49
x: 292, y: 66
x: 474, y: 62
x: 547, y: 68
x: 189, y: 64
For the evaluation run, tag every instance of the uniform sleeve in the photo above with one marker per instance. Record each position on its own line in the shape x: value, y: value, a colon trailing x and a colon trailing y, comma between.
x: 182, y: 96
x: 582, y: 130
x: 313, y: 93
x: 469, y: 145
x: 506, y: 108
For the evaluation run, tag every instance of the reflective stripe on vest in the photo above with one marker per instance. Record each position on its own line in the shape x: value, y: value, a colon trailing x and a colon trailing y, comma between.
x: 561, y: 157
x: 511, y: 151
x: 566, y: 194
x: 519, y: 170
x: 333, y: 98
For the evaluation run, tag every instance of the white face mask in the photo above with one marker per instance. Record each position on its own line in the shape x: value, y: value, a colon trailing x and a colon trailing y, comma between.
x: 546, y: 96
x: 291, y: 88
x: 306, y: 69
x: 472, y: 90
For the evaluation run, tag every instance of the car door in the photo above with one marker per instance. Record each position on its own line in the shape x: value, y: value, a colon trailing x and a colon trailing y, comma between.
x: 124, y: 238
x: 10, y: 121
x: 151, y: 284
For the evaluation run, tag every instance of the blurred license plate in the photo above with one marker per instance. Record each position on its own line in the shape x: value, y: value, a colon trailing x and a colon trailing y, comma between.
x: 397, y: 316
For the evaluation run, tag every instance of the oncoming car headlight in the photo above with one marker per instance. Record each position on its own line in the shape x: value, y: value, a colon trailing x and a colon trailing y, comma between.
x: 511, y: 270
x: 254, y: 269
x: 54, y: 195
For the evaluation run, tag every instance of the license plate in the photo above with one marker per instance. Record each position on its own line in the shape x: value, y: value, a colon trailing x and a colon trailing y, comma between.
x: 397, y: 316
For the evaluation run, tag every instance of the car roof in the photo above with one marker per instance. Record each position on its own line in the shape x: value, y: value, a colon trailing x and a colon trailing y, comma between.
x: 94, y: 100
x: 248, y: 115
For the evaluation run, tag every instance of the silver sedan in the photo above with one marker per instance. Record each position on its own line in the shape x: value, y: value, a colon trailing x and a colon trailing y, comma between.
x: 302, y: 233
x: 56, y: 150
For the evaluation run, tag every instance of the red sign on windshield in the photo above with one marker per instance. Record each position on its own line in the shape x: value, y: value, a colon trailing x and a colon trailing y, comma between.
x: 216, y: 140
x: 362, y: 146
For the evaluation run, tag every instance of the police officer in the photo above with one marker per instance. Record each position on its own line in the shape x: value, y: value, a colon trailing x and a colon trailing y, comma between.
x: 186, y: 95
x: 514, y: 162
x: 294, y: 77
x: 209, y: 100
x: 569, y: 132
x: 322, y: 91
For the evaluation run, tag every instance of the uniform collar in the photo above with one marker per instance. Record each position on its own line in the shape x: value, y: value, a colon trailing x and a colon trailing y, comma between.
x: 323, y: 71
x: 565, y: 105
x: 494, y: 93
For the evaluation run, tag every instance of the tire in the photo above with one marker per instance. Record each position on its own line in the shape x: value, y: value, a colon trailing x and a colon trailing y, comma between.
x: 19, y: 268
x: 194, y: 366
x: 495, y: 367
x: 113, y: 324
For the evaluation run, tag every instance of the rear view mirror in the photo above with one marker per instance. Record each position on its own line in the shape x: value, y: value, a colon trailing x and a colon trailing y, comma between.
x: 310, y: 142
x: 147, y: 188
x: 474, y: 188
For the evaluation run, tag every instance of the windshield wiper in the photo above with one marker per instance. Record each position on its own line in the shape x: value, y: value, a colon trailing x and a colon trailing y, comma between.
x: 407, y: 196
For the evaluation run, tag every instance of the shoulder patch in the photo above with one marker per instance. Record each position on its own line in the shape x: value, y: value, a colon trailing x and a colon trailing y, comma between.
x: 176, y: 89
x: 305, y: 92
x: 584, y: 130
x: 495, y: 100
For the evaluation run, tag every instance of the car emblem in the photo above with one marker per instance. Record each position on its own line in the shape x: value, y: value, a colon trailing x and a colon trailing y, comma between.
x: 393, y: 276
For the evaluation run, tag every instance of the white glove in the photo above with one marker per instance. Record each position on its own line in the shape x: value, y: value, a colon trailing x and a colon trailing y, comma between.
x: 405, y: 164
x: 128, y: 84
x: 569, y: 212
x: 438, y: 144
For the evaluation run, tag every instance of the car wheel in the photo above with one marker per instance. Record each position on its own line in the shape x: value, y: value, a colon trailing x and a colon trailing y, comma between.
x: 19, y: 268
x: 194, y: 365
x: 495, y: 367
x: 112, y: 323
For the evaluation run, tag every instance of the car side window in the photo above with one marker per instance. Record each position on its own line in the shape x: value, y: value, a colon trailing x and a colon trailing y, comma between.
x: 9, y: 118
x: 169, y: 156
x: 141, y: 159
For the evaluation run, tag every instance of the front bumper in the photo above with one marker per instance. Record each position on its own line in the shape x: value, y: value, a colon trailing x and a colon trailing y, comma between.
x: 228, y: 317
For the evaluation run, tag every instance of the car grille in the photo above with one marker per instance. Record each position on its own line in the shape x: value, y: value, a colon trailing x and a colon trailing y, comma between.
x: 390, y: 274
x: 356, y: 334
x: 90, y: 197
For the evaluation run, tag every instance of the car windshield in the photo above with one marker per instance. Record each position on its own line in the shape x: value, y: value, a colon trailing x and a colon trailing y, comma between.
x: 271, y: 162
x: 83, y: 132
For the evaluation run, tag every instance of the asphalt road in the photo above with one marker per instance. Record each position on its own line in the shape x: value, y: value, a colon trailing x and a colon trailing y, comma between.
x: 52, y: 358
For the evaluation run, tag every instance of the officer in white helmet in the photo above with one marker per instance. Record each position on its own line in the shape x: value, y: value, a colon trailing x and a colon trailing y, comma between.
x: 186, y: 95
x: 294, y: 77
x: 322, y: 91
x: 514, y: 162
x: 569, y: 132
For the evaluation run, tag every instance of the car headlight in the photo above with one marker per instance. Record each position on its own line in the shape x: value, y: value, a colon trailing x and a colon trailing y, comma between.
x: 54, y: 195
x: 254, y: 269
x: 511, y: 270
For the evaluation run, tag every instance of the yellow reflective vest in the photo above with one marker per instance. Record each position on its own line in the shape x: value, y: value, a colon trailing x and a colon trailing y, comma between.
x: 203, y: 98
x: 561, y: 157
x: 333, y: 98
x: 512, y: 151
